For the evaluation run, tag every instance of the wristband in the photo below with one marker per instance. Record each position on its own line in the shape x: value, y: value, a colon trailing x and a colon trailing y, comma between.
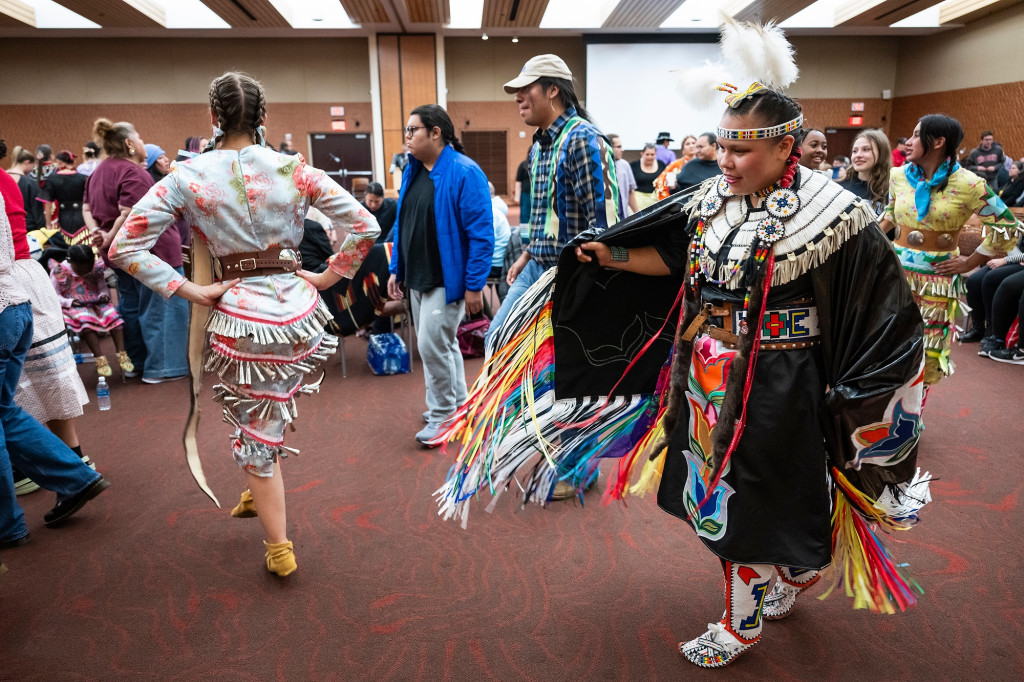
x: 620, y: 254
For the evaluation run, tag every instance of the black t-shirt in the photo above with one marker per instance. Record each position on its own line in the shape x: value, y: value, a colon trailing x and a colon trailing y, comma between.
x: 856, y: 185
x: 523, y: 177
x: 696, y: 172
x: 385, y: 216
x: 525, y: 202
x: 645, y: 181
x: 35, y: 217
x: 315, y: 247
x: 67, y: 190
x: 421, y: 257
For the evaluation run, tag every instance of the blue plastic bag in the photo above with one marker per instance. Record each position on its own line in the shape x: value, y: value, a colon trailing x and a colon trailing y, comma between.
x: 387, y: 354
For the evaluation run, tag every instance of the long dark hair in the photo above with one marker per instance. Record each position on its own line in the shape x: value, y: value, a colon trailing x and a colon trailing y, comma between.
x: 567, y: 95
x: 238, y: 102
x: 934, y: 126
x: 80, y: 254
x: 434, y: 116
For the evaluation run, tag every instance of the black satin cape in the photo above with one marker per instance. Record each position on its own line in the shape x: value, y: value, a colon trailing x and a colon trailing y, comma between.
x: 805, y: 405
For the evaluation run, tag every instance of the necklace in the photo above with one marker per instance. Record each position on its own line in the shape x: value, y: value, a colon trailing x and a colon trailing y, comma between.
x: 780, y: 202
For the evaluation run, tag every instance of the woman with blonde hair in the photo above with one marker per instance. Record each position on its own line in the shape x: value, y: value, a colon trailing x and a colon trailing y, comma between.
x: 247, y: 205
x: 870, y: 163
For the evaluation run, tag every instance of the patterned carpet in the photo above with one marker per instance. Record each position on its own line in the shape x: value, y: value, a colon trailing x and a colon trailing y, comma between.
x: 152, y: 582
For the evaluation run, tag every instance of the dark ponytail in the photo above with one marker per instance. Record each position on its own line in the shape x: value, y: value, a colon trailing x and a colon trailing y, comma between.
x: 567, y: 95
x: 934, y: 126
x: 239, y: 105
x: 434, y: 116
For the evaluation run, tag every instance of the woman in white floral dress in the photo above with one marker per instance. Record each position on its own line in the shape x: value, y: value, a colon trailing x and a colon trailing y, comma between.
x: 247, y: 203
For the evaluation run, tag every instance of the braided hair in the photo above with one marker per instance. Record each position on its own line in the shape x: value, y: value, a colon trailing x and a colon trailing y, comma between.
x: 239, y: 105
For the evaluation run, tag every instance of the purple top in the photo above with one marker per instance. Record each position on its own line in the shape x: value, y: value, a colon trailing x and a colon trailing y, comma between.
x: 120, y: 182
x: 664, y: 154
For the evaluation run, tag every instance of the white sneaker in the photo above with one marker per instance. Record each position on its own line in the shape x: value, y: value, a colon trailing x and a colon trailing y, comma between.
x: 428, y: 433
x: 715, y: 648
x: 780, y: 601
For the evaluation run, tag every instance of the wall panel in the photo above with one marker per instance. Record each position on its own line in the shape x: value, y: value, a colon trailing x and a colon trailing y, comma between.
x: 70, y: 126
x: 990, y: 107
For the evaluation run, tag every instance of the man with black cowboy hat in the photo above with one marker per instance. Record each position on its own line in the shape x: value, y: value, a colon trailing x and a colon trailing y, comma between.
x: 662, y: 152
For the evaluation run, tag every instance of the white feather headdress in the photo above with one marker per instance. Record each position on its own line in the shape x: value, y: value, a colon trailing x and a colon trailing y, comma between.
x: 752, y: 53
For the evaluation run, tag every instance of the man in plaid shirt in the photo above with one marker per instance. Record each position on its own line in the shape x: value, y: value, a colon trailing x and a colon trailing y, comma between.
x: 572, y: 169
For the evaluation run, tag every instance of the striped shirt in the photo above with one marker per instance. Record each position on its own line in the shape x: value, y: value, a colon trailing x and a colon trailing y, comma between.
x: 581, y: 184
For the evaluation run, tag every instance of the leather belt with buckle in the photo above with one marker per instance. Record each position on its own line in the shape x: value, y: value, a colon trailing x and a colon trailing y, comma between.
x: 260, y: 263
x: 793, y: 325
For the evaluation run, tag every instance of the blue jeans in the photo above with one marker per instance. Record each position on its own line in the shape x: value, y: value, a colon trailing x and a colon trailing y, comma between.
x: 25, y: 442
x: 164, y: 327
x: 527, y: 277
x: 131, y: 301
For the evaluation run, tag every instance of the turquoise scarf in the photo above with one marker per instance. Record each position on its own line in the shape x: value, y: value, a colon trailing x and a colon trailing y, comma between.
x: 923, y: 188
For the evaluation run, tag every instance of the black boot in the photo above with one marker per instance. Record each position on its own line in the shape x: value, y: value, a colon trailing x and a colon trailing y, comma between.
x: 976, y: 334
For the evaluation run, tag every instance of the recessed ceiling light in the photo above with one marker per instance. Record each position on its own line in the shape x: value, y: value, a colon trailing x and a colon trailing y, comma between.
x: 515, y: 39
x: 483, y: 37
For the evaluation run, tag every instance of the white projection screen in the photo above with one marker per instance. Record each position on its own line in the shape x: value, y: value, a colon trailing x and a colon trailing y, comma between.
x: 632, y: 92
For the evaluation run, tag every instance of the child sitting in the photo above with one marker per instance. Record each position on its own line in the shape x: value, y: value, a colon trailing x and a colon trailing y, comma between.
x: 85, y: 300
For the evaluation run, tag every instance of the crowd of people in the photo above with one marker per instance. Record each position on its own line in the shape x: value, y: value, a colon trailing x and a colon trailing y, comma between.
x: 751, y: 222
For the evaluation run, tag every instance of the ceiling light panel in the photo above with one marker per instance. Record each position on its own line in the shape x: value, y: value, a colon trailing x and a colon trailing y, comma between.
x: 466, y: 13
x: 576, y: 14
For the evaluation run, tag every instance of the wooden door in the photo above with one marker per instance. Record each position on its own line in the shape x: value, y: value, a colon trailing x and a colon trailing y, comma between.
x: 343, y: 156
x: 840, y: 141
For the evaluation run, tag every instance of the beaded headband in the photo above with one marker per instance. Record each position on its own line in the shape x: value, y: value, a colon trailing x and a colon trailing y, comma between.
x: 761, y: 133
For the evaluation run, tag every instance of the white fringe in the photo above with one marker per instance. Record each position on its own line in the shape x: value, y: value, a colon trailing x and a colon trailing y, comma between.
x: 903, y: 501
x: 247, y: 371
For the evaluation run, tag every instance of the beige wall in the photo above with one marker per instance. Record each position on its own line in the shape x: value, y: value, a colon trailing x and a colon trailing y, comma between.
x: 141, y: 71
x: 476, y: 69
x: 844, y: 66
x: 986, y: 52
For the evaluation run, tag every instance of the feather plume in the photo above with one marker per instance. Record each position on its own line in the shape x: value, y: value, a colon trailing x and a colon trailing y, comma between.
x: 742, y: 48
x: 779, y: 68
x: 700, y: 84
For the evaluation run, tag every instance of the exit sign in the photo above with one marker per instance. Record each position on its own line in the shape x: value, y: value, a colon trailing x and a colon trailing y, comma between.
x: 857, y: 106
x: 856, y: 120
x: 340, y: 111
x: 339, y: 125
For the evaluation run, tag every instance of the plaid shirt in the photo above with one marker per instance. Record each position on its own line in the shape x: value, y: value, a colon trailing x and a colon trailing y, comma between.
x: 580, y: 183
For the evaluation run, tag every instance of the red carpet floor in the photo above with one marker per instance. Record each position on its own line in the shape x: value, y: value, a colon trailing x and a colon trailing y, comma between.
x: 151, y: 582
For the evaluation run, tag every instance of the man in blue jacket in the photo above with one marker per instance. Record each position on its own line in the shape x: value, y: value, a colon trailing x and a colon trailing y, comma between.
x: 444, y: 241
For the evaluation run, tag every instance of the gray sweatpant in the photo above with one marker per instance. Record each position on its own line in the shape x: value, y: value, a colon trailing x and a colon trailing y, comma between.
x: 445, y: 375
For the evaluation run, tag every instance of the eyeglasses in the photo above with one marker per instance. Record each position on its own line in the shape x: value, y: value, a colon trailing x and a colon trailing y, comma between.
x: 411, y: 130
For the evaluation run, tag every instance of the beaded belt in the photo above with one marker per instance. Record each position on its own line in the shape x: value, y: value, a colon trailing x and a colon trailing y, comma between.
x: 789, y: 326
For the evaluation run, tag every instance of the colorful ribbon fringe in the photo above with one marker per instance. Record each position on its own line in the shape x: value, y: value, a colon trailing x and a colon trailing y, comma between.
x: 861, y: 565
x: 511, y: 421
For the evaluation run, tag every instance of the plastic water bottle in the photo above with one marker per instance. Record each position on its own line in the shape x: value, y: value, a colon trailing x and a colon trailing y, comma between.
x: 391, y: 364
x: 84, y: 357
x: 103, y: 395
